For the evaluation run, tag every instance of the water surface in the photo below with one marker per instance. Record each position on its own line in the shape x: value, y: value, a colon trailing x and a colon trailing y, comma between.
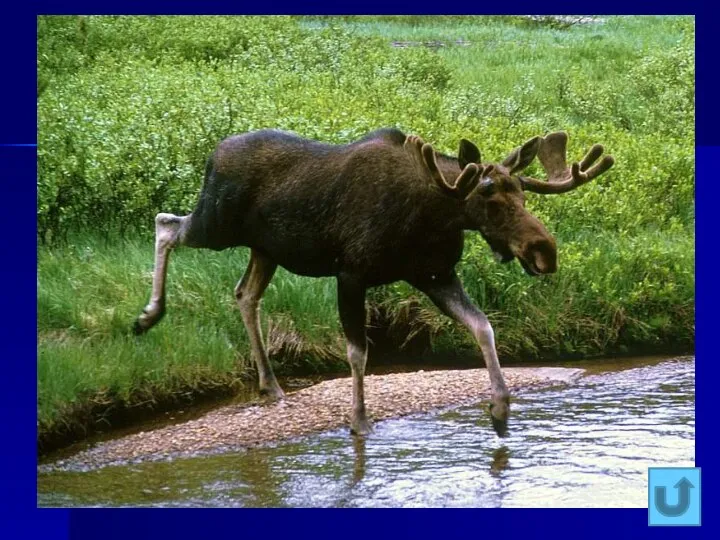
x: 585, y: 445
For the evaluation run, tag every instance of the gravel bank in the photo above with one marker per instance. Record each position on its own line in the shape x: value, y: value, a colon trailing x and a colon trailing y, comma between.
x: 320, y: 407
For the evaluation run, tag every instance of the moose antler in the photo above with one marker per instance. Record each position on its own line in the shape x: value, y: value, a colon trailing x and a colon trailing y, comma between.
x: 424, y: 155
x: 560, y: 177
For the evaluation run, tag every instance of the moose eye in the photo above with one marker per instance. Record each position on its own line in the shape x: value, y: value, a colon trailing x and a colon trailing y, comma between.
x: 486, y: 187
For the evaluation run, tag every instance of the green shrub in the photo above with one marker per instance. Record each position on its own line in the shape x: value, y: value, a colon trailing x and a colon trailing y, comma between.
x: 136, y: 104
x: 129, y: 108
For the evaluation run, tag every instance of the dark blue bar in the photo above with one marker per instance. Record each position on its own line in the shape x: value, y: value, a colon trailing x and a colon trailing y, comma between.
x: 707, y: 367
x: 18, y: 43
x: 18, y: 498
x: 348, y: 523
x: 20, y: 518
x: 370, y: 7
x: 707, y: 113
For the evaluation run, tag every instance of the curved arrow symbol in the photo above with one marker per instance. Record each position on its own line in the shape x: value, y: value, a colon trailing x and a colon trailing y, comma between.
x: 683, y: 486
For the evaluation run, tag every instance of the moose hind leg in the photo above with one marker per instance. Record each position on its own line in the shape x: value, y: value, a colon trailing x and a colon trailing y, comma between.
x: 169, y: 233
x: 248, y: 293
x: 351, y: 305
x: 451, y: 298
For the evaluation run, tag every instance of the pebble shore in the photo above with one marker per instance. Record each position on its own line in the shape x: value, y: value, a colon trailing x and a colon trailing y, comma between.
x: 323, y: 406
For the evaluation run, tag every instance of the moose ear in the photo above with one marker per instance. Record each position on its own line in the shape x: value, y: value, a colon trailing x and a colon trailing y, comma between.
x: 522, y: 157
x: 468, y: 153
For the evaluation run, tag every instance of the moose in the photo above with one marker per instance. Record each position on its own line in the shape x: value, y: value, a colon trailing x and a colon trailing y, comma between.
x: 385, y: 208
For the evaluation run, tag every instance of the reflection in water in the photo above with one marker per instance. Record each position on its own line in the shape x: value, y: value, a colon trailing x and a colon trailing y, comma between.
x: 500, y: 460
x: 359, y: 444
x: 589, y: 444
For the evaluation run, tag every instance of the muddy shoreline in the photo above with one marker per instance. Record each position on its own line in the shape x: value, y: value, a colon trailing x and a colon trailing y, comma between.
x: 320, y: 407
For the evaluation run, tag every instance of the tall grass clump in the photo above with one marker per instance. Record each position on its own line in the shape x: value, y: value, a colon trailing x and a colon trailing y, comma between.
x: 129, y: 108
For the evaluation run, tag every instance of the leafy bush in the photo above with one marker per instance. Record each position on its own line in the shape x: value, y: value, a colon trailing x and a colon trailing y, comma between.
x: 134, y: 105
x: 129, y: 108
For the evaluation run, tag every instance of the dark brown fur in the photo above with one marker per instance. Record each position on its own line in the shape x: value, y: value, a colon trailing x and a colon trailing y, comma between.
x: 379, y: 210
x: 362, y: 208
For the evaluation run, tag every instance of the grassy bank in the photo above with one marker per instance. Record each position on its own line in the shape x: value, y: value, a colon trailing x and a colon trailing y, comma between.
x: 610, y: 297
x: 129, y: 109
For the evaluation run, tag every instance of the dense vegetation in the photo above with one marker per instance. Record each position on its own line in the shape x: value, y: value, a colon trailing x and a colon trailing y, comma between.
x: 129, y: 108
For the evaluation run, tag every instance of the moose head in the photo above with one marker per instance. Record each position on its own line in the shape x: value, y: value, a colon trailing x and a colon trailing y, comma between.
x: 493, y: 195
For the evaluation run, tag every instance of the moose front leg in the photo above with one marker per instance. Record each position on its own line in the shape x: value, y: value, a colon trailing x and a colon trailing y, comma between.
x: 448, y: 294
x: 351, y: 305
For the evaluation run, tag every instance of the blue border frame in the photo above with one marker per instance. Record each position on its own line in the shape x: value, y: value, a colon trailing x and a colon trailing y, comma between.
x: 20, y: 517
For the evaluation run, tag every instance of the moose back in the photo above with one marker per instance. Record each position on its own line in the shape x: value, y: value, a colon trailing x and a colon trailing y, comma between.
x: 383, y: 209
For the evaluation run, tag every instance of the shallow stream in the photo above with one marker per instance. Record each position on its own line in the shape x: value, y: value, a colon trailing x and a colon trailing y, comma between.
x: 584, y: 445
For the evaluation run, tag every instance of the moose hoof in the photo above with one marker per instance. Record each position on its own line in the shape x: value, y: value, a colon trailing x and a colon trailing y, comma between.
x: 272, y: 394
x: 499, y: 413
x: 361, y: 428
x: 149, y: 317
x: 139, y: 328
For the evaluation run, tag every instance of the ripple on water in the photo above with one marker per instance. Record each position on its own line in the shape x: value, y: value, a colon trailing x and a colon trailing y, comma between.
x: 588, y: 444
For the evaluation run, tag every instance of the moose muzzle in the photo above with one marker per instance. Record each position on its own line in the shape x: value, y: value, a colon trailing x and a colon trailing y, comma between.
x: 539, y: 256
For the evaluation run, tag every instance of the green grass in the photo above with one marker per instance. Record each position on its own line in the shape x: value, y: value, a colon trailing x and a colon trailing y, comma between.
x: 90, y: 291
x: 610, y: 296
x: 130, y: 107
